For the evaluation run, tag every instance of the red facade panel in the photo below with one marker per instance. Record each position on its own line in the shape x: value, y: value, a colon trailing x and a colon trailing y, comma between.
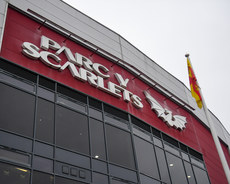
x: 19, y: 29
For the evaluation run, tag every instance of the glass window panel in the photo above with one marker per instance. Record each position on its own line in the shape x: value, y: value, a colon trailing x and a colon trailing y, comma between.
x: 100, y: 178
x: 141, y: 133
x: 95, y: 113
x: 146, y: 157
x: 15, y: 141
x: 120, y: 150
x: 197, y: 162
x: 72, y: 93
x: 42, y: 164
x: 183, y: 147
x: 117, y: 181
x: 95, y: 103
x: 60, y: 180
x: 116, y: 121
x: 157, y: 142
x: 43, y: 149
x: 42, y: 178
x: 189, y: 172
x: 19, y: 71
x: 170, y: 140
x: 10, y: 174
x: 148, y: 180
x: 72, y: 130
x: 176, y: 169
x: 142, y: 125
x: 17, y: 110
x: 195, y: 154
x: 125, y: 174
x: 162, y: 165
x: 14, y: 156
x: 201, y: 175
x: 99, y: 166
x: 171, y: 149
x: 49, y: 95
x: 97, y: 139
x: 17, y: 82
x: 46, y: 83
x: 116, y: 112
x: 45, y: 121
x: 71, y: 103
x: 156, y: 132
x: 185, y: 156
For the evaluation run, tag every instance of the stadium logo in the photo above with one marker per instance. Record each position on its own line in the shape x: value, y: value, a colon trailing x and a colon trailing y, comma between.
x: 166, y: 115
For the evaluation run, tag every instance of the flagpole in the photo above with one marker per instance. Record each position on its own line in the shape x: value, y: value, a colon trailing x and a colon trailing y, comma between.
x: 214, y: 134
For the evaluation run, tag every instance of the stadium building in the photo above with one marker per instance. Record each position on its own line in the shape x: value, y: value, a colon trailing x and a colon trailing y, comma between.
x: 80, y: 105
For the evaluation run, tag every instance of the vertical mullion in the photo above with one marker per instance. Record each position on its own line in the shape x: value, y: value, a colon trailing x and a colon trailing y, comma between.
x: 134, y: 149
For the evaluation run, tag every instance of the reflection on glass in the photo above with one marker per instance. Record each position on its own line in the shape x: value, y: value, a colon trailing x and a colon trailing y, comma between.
x: 157, y: 142
x: 162, y: 165
x: 72, y: 130
x: 123, y: 173
x: 176, y: 169
x: 14, y: 156
x: 43, y: 149
x: 42, y: 178
x: 95, y: 113
x: 71, y: 103
x: 17, y: 82
x: 117, y: 181
x: 201, y: 175
x: 116, y: 121
x: 45, y: 120
x: 43, y: 164
x: 60, y: 180
x: 10, y: 174
x: 100, y: 178
x: 99, y: 166
x: 172, y: 149
x: 141, y: 133
x: 146, y: 157
x: 185, y: 156
x: 17, y: 110
x: 148, y: 180
x: 44, y: 93
x: 189, y: 173
x: 120, y: 150
x: 197, y: 162
x: 97, y: 139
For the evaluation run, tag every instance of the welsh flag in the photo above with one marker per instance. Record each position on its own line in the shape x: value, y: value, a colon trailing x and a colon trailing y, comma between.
x: 195, y: 89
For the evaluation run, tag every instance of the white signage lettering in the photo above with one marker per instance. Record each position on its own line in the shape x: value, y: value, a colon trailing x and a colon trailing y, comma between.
x: 47, y: 43
x: 30, y: 50
x: 83, y: 69
x: 123, y: 83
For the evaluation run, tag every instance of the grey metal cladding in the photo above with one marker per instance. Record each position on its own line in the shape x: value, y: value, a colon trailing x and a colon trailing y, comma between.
x: 2, y: 7
x: 76, y: 24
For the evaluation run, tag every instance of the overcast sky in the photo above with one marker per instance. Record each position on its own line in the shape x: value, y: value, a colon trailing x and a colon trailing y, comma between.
x: 166, y: 30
